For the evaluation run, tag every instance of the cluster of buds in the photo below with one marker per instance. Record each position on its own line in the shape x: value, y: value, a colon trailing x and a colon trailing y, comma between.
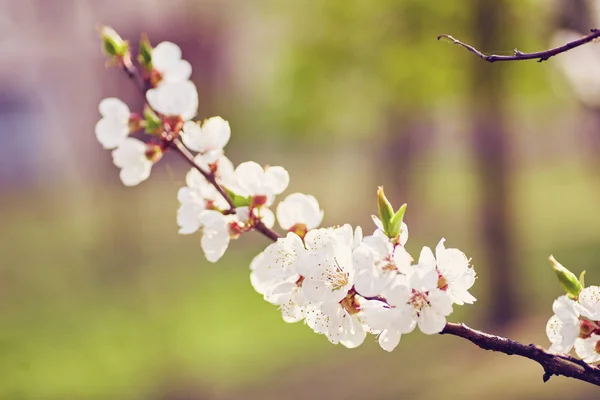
x: 576, y: 319
x: 340, y: 283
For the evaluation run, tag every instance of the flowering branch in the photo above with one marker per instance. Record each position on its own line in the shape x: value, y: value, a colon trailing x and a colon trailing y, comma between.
x: 340, y: 283
x: 553, y: 364
x: 518, y: 55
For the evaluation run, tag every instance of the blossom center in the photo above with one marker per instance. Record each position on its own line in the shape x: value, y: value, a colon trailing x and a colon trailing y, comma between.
x: 418, y: 300
x: 336, y: 277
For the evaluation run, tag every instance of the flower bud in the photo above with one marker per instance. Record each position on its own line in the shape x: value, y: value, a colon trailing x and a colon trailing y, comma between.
x: 112, y: 44
x: 391, y: 221
x: 145, y: 54
x: 567, y: 279
x: 152, y: 121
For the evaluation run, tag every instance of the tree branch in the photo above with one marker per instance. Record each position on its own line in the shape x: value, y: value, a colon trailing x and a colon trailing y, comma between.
x: 518, y: 56
x: 553, y: 364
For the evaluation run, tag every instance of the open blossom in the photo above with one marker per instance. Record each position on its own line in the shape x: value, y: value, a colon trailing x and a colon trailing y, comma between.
x: 174, y: 99
x: 419, y: 292
x: 378, y: 262
x: 113, y: 128
x: 274, y: 274
x: 208, y: 140
x: 455, y: 275
x: 166, y: 60
x: 251, y: 179
x: 328, y: 267
x: 299, y: 211
x: 132, y: 157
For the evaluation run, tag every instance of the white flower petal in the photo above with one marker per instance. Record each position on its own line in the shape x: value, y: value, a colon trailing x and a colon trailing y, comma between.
x: 114, y: 108
x: 430, y: 322
x: 389, y: 339
x: 277, y: 178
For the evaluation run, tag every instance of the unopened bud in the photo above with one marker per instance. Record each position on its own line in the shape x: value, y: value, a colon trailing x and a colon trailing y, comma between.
x: 152, y: 121
x: 567, y: 279
x: 145, y: 54
x: 112, y: 44
x: 154, y: 153
x: 391, y: 221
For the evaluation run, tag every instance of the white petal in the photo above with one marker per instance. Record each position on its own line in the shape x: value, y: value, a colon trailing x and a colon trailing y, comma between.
x: 354, y: 335
x: 389, y: 339
x: 402, y: 259
x: 266, y: 216
x: 215, y: 235
x: 277, y: 178
x: 589, y: 298
x: 111, y: 107
x: 111, y: 132
x: 430, y: 322
x: 403, y: 234
x: 440, y: 302
x: 426, y: 259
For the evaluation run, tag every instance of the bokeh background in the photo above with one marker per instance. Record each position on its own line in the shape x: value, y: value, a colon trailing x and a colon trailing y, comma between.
x: 100, y: 298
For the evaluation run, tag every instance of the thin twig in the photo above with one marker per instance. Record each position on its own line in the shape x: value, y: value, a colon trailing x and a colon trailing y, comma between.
x: 518, y: 56
x: 553, y: 364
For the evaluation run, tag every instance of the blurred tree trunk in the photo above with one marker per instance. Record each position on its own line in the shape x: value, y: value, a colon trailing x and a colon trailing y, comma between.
x: 407, y: 138
x: 492, y: 148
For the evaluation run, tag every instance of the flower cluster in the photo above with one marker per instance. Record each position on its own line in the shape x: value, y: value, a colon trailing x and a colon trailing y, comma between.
x: 341, y: 284
x: 344, y: 285
x: 576, y: 319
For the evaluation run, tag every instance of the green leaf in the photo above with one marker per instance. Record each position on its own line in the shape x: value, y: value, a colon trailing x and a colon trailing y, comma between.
x: 567, y: 279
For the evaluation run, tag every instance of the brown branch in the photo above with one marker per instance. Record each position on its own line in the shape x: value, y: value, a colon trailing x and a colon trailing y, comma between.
x: 518, y: 56
x: 189, y: 157
x: 553, y: 364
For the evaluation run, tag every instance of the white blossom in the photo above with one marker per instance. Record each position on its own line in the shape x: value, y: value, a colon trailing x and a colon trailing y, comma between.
x: 174, y: 99
x: 131, y: 157
x: 429, y: 305
x: 299, y: 209
x: 208, y: 140
x: 251, y: 179
x: 588, y: 349
x: 274, y: 274
x: 563, y: 328
x: 166, y: 60
x: 113, y: 128
x: 456, y: 276
x: 328, y: 267
x: 377, y: 263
